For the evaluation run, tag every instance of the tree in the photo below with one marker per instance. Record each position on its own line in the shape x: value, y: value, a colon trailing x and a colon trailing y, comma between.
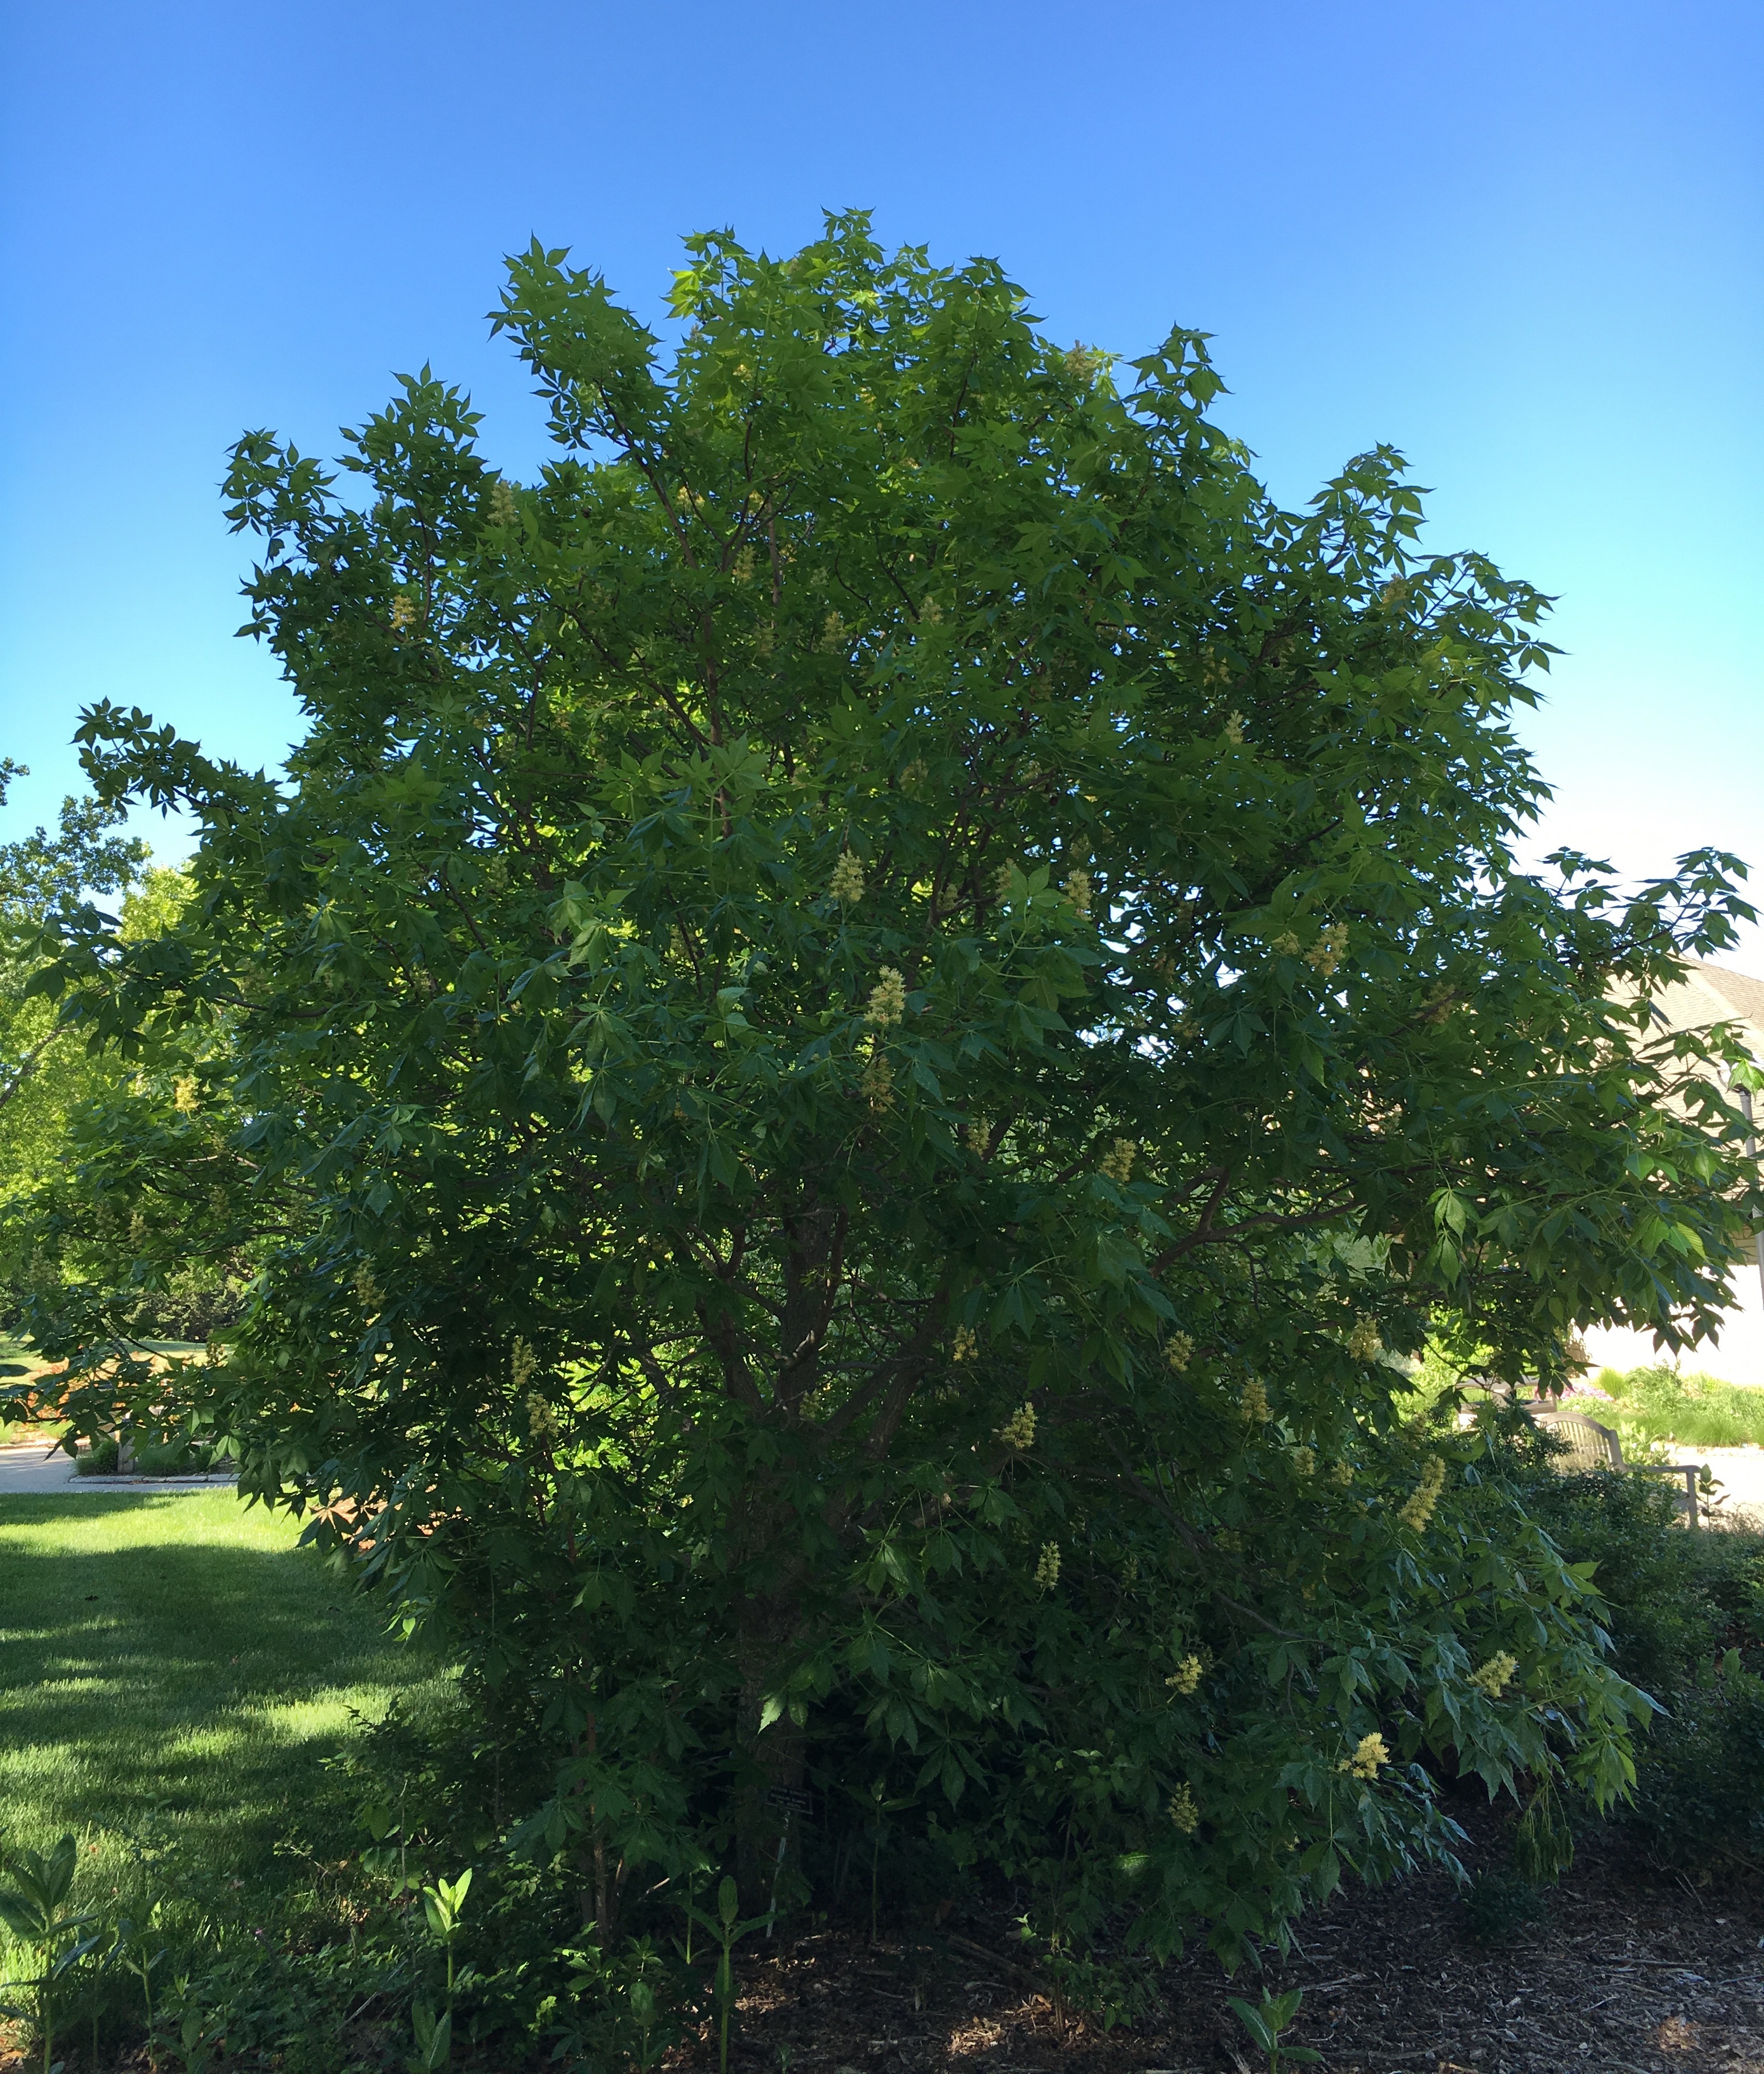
x: 42, y: 1076
x: 864, y: 1008
x: 45, y: 1073
x: 115, y: 1224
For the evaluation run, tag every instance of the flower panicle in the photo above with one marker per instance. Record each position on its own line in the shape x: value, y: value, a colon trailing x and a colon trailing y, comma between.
x: 1116, y: 1162
x: 887, y: 1004
x: 1494, y: 1676
x: 1369, y: 1754
x: 1423, y: 1502
x: 847, y: 883
x: 1186, y: 1676
x: 1327, y: 951
x: 1364, y: 1344
x: 1018, y: 1431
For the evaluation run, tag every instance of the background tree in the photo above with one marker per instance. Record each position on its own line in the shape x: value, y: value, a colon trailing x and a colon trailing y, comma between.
x: 48, y: 1072
x: 71, y: 1239
x: 865, y: 1010
x: 43, y: 1075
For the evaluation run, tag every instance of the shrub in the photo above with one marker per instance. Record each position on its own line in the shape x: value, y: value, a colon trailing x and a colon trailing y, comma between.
x: 863, y: 1007
x: 168, y: 1458
x: 103, y: 1458
x: 1685, y: 1617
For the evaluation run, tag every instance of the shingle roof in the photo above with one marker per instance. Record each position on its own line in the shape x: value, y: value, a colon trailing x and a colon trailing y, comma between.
x: 1712, y: 993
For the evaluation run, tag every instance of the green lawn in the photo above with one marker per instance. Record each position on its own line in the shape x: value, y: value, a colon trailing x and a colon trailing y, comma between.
x: 176, y: 1660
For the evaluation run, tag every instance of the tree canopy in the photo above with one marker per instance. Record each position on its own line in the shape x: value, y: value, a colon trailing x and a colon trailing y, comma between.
x: 869, y: 1018
x: 44, y: 1074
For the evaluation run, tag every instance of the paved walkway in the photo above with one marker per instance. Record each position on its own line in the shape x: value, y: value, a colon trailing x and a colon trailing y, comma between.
x: 33, y: 1465
x: 1739, y: 1478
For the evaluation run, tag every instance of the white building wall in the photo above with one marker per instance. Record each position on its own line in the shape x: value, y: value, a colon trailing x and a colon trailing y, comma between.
x: 1737, y: 1356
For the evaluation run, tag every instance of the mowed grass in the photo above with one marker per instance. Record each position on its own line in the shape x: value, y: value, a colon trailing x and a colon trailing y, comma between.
x: 174, y: 1662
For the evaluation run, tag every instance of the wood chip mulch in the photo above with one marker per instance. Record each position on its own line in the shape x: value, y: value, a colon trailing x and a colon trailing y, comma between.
x: 1631, y: 1971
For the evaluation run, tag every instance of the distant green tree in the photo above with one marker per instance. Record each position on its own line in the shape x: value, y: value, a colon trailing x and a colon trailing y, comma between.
x: 140, y: 1262
x: 861, y: 1011
x: 47, y: 1071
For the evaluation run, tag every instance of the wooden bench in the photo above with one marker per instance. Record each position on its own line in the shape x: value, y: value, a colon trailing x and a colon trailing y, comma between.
x: 1591, y: 1446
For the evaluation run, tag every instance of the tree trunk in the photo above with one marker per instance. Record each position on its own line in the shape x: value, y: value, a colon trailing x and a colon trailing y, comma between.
x: 772, y: 1759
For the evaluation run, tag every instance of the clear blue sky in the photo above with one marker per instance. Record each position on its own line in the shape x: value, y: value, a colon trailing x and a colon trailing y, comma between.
x: 1523, y: 243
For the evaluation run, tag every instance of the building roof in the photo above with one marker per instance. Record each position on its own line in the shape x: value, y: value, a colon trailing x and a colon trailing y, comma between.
x: 1712, y: 993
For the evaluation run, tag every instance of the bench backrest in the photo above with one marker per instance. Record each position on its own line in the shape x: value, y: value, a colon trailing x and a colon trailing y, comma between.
x: 1590, y: 1445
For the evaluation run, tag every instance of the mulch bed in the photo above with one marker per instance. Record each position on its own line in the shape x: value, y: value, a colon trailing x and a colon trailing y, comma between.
x: 1630, y: 1970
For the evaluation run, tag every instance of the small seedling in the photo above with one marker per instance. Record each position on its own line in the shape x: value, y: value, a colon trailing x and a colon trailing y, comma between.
x: 34, y: 1909
x: 194, y: 2040
x: 643, y: 2016
x: 883, y: 1806
x: 728, y: 1929
x: 443, y: 1906
x: 1266, y: 2021
x: 131, y: 1944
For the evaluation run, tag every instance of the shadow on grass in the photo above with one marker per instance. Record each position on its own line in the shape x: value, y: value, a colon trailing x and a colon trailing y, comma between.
x: 163, y: 1652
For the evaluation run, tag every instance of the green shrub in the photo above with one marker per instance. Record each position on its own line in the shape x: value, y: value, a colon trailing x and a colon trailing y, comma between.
x: 1700, y: 1800
x: 165, y: 1458
x: 1687, y: 1624
x: 103, y: 1458
x: 173, y: 1458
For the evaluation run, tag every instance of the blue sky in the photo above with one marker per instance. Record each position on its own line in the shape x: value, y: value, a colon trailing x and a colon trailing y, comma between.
x: 1524, y: 243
